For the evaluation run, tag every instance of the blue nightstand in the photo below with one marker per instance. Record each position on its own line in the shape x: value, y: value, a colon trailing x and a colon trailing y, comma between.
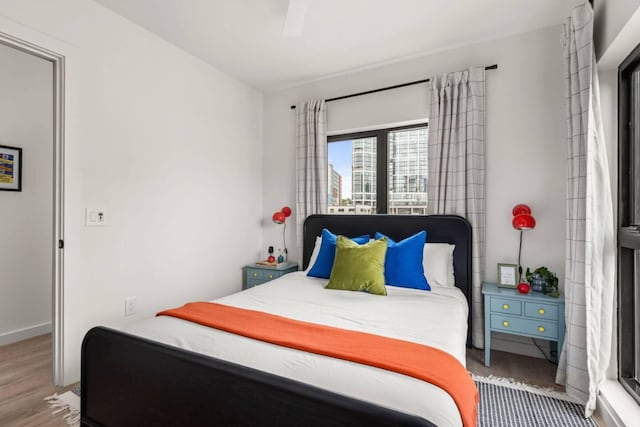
x: 531, y: 315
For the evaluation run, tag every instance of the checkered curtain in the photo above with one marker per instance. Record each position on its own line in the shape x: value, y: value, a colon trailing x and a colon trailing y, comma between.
x: 590, y: 251
x: 311, y: 164
x: 457, y: 166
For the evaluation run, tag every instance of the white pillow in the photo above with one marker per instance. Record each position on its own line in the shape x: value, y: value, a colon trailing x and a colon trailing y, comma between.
x: 314, y: 254
x: 437, y: 260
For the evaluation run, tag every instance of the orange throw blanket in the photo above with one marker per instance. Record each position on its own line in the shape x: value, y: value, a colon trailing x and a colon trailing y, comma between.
x: 415, y: 360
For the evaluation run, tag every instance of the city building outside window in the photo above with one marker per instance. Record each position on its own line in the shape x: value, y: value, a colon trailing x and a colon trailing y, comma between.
x: 379, y: 171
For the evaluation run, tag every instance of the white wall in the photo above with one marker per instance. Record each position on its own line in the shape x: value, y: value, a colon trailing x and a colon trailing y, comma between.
x: 526, y: 148
x: 525, y: 135
x: 26, y: 245
x: 168, y: 146
x: 611, y: 16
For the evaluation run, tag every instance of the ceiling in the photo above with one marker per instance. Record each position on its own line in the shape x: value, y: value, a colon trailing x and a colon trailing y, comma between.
x: 244, y: 37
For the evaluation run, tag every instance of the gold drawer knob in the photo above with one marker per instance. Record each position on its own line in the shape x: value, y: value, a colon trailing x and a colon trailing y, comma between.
x: 271, y: 276
x: 255, y: 274
x: 505, y: 323
x: 505, y: 306
x: 540, y: 329
x: 541, y: 311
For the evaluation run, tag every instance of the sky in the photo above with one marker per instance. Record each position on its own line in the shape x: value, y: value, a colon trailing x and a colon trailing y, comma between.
x: 340, y: 158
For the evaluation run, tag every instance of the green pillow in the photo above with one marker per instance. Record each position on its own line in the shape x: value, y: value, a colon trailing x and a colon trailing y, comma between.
x: 359, y: 267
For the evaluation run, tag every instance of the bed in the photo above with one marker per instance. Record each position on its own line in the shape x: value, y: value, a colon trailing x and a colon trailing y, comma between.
x: 166, y: 371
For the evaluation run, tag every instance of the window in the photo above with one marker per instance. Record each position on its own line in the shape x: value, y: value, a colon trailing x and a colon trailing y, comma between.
x: 379, y: 171
x: 629, y: 224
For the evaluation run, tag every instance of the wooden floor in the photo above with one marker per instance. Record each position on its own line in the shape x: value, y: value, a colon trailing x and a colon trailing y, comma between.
x: 530, y: 370
x: 25, y: 379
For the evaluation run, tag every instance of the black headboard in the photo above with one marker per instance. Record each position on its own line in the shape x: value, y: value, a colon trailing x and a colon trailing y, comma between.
x: 440, y: 229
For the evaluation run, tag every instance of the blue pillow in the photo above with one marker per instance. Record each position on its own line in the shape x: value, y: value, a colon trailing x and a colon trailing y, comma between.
x: 403, y: 264
x: 327, y: 253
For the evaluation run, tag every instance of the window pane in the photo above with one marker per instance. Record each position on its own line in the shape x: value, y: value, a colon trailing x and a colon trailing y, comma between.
x: 634, y: 187
x: 634, y: 214
x: 407, y: 171
x: 630, y: 315
x: 339, y: 175
x: 636, y: 300
x: 628, y: 233
x: 352, y: 176
x: 634, y: 205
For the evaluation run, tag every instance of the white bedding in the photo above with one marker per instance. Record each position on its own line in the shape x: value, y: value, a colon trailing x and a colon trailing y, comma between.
x: 437, y: 318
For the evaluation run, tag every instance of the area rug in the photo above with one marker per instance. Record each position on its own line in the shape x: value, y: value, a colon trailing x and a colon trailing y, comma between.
x: 68, y: 405
x: 507, y: 403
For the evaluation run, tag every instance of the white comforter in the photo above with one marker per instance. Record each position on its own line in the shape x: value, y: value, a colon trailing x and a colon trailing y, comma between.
x: 437, y: 318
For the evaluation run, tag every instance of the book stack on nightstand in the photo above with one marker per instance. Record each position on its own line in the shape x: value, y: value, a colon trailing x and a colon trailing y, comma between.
x: 531, y: 315
x: 258, y: 274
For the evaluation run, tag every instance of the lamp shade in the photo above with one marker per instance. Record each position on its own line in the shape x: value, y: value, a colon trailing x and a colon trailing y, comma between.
x: 523, y: 222
x: 286, y: 211
x: 279, y: 217
x: 521, y: 209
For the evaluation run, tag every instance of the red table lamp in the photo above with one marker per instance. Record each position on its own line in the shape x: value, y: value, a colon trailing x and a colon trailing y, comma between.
x: 280, y: 217
x: 522, y: 220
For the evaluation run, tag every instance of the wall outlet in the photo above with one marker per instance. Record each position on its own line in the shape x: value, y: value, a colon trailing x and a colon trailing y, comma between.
x: 130, y: 306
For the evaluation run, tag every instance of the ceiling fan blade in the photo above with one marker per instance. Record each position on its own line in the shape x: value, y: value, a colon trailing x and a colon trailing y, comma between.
x: 294, y: 21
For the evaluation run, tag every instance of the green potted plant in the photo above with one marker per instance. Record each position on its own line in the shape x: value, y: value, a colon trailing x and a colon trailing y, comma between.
x: 543, y: 280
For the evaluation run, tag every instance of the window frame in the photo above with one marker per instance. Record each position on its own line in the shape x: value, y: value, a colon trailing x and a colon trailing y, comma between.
x: 382, y: 157
x: 628, y: 232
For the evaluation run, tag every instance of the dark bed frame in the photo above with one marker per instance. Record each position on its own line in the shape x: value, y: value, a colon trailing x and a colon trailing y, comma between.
x: 131, y: 381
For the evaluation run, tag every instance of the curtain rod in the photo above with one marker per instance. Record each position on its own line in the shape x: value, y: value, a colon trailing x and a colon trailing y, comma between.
x: 489, y: 67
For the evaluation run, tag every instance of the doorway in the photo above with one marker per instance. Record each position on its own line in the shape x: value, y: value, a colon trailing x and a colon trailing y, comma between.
x: 54, y: 204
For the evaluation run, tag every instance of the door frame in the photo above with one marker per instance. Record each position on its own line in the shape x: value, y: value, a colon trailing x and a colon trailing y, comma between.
x: 57, y: 318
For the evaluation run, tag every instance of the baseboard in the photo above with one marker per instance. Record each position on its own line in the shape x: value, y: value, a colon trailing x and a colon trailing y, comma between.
x: 518, y: 345
x: 607, y: 413
x: 615, y: 406
x: 25, y: 333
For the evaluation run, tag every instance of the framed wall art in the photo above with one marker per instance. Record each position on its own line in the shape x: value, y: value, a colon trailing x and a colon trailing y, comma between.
x: 10, y: 168
x: 507, y: 275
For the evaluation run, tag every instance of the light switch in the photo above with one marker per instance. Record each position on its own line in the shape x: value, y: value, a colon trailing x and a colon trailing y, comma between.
x: 96, y: 217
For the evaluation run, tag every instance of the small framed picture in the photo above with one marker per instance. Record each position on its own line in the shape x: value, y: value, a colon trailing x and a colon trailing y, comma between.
x: 507, y: 275
x: 10, y: 168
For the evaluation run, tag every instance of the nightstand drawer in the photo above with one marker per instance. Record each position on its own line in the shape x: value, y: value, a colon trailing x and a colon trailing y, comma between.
x: 539, y: 328
x: 255, y: 274
x: 506, y: 305
x: 540, y: 310
x: 270, y: 275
